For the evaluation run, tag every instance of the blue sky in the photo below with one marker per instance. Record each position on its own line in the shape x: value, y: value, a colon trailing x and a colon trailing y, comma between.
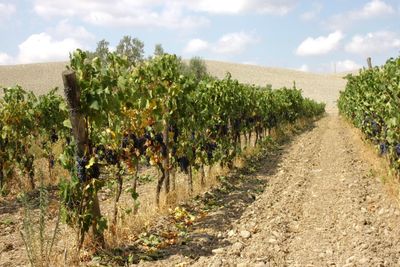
x: 310, y: 35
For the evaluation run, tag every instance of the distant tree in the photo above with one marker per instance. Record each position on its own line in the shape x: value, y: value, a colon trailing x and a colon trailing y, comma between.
x: 102, y: 50
x: 132, y: 48
x: 198, y: 68
x: 158, y: 50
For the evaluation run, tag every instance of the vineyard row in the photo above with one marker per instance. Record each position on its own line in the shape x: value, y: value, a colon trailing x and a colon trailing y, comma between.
x: 371, y: 101
x: 117, y: 116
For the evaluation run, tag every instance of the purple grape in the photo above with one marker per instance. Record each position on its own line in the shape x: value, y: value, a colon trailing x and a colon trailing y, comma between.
x: 81, y: 168
x: 383, y: 148
x: 53, y: 136
x: 111, y: 157
x: 398, y: 150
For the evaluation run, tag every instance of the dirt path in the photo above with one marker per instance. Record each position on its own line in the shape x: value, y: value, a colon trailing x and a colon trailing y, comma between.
x: 321, y: 207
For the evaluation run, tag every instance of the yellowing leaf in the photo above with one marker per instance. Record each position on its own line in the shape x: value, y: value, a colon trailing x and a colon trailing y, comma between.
x: 92, y: 161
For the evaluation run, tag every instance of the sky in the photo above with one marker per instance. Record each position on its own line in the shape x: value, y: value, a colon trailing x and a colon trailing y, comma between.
x: 307, y: 35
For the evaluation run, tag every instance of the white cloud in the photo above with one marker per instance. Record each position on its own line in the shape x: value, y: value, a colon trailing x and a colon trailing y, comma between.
x: 218, y: 7
x: 64, y: 29
x: 233, y: 43
x: 172, y: 14
x: 55, y: 44
x: 346, y: 65
x: 313, y: 13
x: 304, y: 68
x: 43, y: 48
x: 6, y: 11
x: 230, y: 43
x: 320, y: 45
x: 372, y: 9
x: 117, y: 13
x: 5, y: 59
x: 275, y: 7
x: 376, y: 42
x: 195, y: 46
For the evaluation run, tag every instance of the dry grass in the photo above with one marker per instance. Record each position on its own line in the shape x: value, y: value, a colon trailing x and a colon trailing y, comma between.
x: 380, y: 165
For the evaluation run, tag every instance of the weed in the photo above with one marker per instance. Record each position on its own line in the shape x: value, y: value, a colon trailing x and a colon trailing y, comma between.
x: 38, y: 239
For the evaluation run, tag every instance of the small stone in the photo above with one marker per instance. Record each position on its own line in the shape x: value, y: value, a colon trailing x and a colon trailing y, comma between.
x: 231, y: 233
x: 215, y: 263
x: 218, y: 251
x: 350, y: 259
x: 329, y: 252
x: 276, y: 234
x: 245, y: 234
x: 261, y: 264
x: 363, y: 210
x: 363, y: 261
x: 272, y: 241
x: 237, y: 248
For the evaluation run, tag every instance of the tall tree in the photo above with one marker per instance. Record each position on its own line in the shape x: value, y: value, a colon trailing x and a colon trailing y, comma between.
x: 158, y: 50
x: 198, y: 68
x: 102, y: 50
x: 132, y: 48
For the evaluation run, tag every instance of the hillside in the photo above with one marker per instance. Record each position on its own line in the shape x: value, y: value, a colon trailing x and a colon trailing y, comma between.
x: 321, y: 87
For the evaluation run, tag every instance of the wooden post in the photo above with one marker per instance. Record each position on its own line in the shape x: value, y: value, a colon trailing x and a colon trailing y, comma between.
x: 1, y: 175
x: 369, y: 62
x: 72, y: 95
x: 79, y: 130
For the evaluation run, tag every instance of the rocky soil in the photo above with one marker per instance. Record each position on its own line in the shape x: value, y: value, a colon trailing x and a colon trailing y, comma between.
x: 322, y: 206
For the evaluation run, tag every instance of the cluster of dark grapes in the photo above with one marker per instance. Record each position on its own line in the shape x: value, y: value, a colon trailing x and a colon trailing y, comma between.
x: 184, y: 164
x: 397, y: 148
x: 83, y: 173
x: 174, y: 128
x: 221, y: 129
x: 125, y: 141
x: 236, y: 124
x: 209, y: 148
x: 111, y: 156
x: 272, y: 121
x: 53, y: 136
x: 383, y: 148
x: 94, y: 171
x: 376, y: 128
x: 51, y: 161
x: 250, y: 120
x: 81, y: 168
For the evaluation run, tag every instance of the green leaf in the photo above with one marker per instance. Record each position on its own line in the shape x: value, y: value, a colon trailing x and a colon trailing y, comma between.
x: 94, y: 105
x: 67, y: 123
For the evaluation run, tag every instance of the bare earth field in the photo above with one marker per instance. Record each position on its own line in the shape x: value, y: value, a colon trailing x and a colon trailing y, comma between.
x: 318, y: 200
